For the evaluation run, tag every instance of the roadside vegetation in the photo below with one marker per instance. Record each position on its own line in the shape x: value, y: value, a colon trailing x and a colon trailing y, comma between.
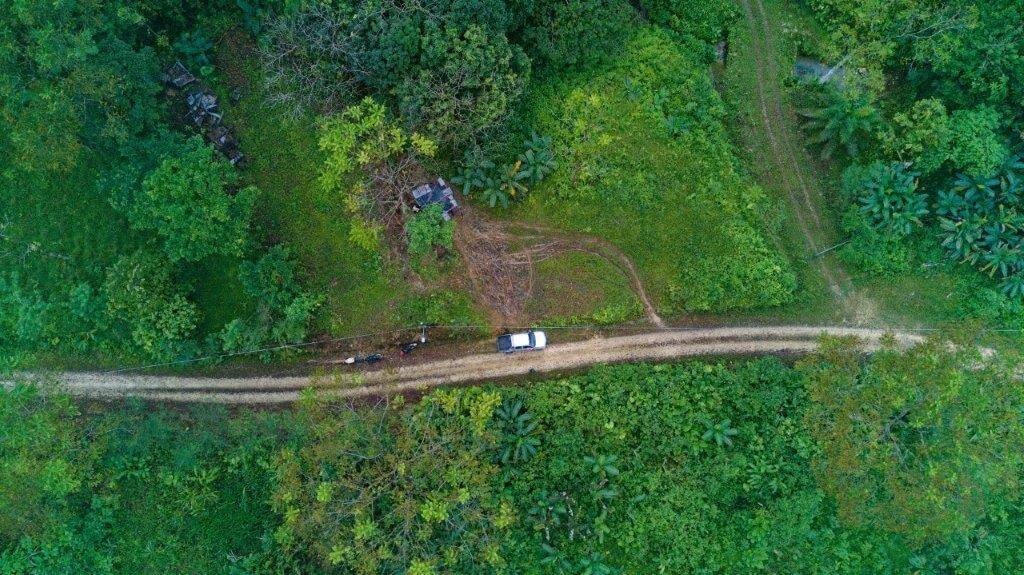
x: 837, y: 465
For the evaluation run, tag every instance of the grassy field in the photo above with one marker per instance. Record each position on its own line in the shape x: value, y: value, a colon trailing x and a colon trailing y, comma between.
x: 581, y: 288
x: 671, y: 199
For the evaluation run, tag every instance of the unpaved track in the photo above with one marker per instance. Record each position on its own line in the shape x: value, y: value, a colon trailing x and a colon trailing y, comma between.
x: 793, y: 160
x: 604, y: 249
x: 659, y: 345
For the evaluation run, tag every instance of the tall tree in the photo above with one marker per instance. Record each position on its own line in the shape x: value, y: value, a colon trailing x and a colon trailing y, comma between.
x: 192, y: 202
x: 924, y: 443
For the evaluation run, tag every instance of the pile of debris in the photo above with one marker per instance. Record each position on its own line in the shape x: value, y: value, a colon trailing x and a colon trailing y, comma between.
x: 202, y: 111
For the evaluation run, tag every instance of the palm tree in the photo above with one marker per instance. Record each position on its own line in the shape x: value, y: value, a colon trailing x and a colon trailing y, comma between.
x: 536, y: 164
x: 473, y: 174
x: 891, y: 200
x: 510, y: 183
x: 845, y: 120
x: 721, y: 433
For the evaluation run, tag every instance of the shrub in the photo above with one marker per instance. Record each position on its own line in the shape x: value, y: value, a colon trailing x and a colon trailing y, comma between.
x: 576, y: 33
x: 428, y: 229
x: 189, y: 200
x: 889, y: 199
x: 977, y: 149
x: 923, y: 135
x: 282, y: 311
x: 872, y: 251
x: 141, y: 293
x: 981, y: 224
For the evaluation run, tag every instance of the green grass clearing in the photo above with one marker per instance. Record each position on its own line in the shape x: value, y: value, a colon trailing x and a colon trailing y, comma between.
x: 581, y: 288
x: 670, y: 197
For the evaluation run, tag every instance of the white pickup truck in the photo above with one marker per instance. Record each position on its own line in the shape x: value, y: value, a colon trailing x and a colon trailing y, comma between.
x: 512, y: 342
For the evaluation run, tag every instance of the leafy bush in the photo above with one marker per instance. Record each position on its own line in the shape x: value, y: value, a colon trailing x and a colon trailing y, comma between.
x: 576, y: 33
x: 706, y: 21
x: 872, y: 251
x: 442, y: 308
x: 142, y: 293
x: 428, y: 229
x: 191, y: 202
x: 888, y: 197
x: 509, y: 182
x: 752, y: 276
x: 397, y: 484
x: 448, y: 67
x: 923, y: 135
x: 977, y: 149
x: 980, y: 224
x: 282, y: 311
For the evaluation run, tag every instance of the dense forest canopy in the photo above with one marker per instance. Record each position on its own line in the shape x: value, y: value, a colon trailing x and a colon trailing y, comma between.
x: 837, y: 466
x: 265, y: 206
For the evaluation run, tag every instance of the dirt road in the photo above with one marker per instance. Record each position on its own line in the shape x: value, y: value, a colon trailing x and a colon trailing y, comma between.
x: 659, y: 345
x: 792, y: 161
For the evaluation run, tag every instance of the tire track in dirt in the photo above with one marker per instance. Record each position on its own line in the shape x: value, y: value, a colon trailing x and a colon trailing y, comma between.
x: 608, y: 251
x: 788, y: 155
x: 652, y: 346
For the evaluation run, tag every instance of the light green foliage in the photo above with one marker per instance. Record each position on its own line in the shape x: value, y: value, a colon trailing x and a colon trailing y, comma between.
x: 977, y: 149
x: 359, y: 137
x: 673, y: 202
x: 925, y: 444
x: 420, y: 476
x: 443, y: 308
x: 281, y: 311
x: 190, y: 201
x: 705, y: 21
x: 923, y: 135
x: 428, y: 229
x: 364, y: 138
x: 141, y: 294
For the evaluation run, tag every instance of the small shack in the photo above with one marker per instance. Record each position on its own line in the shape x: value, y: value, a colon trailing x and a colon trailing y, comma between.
x: 437, y: 192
